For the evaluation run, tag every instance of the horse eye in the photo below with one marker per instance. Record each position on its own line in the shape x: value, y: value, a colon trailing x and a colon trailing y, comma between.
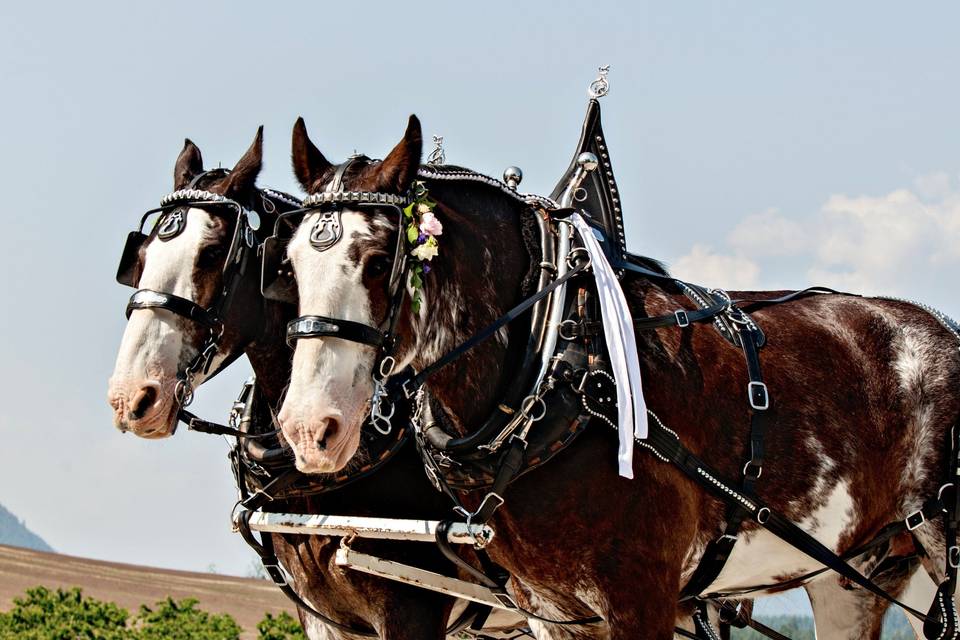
x: 210, y: 256
x: 378, y: 265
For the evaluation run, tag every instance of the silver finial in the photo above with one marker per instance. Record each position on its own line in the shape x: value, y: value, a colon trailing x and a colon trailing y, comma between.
x: 601, y: 86
x: 588, y: 161
x: 512, y: 176
x: 438, y: 155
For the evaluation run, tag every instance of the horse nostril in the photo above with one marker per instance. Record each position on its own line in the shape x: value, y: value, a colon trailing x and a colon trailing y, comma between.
x: 142, y: 402
x: 329, y: 433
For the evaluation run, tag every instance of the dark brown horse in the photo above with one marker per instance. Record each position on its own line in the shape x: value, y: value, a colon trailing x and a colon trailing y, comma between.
x: 157, y: 345
x: 865, y: 394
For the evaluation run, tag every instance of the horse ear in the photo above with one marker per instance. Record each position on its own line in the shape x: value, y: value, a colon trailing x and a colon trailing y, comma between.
x: 399, y: 168
x: 244, y: 174
x: 189, y: 165
x: 308, y: 163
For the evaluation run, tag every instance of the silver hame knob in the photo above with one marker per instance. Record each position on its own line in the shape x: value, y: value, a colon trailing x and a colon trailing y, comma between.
x: 512, y: 176
x: 587, y: 161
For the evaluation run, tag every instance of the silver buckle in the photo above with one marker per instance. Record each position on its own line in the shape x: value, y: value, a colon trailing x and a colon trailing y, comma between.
x: 764, y: 402
x: 953, y: 556
x: 915, y: 520
x: 683, y: 320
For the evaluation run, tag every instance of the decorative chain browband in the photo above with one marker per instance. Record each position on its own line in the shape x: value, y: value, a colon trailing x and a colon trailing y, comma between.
x: 282, y: 197
x: 354, y: 197
x: 199, y: 195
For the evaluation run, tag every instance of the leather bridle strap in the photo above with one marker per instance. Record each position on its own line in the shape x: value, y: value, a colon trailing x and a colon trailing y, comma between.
x: 322, y: 327
x: 150, y: 299
x: 408, y: 384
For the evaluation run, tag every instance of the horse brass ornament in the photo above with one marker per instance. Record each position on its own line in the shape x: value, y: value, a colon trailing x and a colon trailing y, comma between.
x: 326, y: 231
x: 172, y: 225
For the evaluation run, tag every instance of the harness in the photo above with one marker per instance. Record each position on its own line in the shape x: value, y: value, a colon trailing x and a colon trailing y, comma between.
x: 571, y: 370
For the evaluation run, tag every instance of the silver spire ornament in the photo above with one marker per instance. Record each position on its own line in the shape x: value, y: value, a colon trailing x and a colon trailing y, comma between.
x: 601, y: 86
x: 438, y: 155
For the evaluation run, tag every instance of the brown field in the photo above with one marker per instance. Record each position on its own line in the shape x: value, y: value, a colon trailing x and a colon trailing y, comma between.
x: 128, y: 585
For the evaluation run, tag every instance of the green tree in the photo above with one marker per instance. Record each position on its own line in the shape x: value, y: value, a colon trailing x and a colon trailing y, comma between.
x: 182, y: 620
x: 62, y: 615
x: 283, y: 627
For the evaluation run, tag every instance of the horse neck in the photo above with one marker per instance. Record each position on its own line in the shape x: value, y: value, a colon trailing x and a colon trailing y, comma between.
x: 475, y: 278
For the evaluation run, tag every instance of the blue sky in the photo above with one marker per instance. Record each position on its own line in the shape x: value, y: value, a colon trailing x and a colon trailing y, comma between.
x: 756, y: 144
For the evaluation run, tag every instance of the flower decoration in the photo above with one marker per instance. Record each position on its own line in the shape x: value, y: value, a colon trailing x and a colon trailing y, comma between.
x: 423, y: 228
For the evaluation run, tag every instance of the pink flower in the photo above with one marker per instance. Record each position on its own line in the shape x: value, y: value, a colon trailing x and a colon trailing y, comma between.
x: 430, y: 225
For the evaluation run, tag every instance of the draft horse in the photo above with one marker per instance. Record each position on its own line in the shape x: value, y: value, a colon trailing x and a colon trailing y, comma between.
x: 198, y: 306
x: 847, y: 426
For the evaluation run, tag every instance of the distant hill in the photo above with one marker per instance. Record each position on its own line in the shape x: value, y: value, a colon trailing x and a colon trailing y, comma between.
x: 247, y: 600
x: 14, y: 532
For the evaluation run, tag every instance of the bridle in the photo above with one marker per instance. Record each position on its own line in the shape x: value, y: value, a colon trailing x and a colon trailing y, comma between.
x: 242, y: 250
x: 326, y: 232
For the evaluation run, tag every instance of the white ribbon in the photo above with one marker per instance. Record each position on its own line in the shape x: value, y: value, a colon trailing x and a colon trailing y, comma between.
x: 622, y: 347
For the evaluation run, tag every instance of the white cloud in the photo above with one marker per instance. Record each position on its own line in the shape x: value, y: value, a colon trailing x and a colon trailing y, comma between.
x: 703, y: 265
x: 769, y: 234
x: 906, y: 242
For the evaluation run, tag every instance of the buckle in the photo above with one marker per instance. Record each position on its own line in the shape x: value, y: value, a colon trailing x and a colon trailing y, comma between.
x: 275, y: 571
x: 500, y: 593
x: 915, y: 519
x: 750, y: 467
x: 953, y: 557
x: 758, y: 395
x: 762, y: 515
x: 683, y: 320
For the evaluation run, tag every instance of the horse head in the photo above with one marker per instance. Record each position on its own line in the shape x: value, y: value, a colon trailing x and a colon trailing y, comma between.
x: 198, y: 303
x: 371, y: 300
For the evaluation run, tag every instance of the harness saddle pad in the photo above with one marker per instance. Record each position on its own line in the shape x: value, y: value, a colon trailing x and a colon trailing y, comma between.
x: 598, y: 197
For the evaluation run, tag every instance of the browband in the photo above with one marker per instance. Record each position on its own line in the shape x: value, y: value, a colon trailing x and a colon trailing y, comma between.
x: 322, y: 326
x: 354, y: 197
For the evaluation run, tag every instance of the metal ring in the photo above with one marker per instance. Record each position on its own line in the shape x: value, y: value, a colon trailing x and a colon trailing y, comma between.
x: 940, y: 493
x: 529, y: 403
x: 571, y: 323
x: 183, y: 392
x: 763, y: 515
x: 580, y: 194
x: 574, y: 256
x: 387, y: 371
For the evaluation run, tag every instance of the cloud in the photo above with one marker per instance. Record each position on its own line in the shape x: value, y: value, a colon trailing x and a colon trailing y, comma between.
x: 769, y: 234
x: 703, y: 265
x: 905, y: 242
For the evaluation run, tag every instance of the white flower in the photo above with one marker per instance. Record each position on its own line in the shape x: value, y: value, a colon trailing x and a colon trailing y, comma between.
x: 426, y: 252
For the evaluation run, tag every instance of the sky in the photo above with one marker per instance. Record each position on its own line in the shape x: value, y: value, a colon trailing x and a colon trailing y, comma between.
x: 762, y: 145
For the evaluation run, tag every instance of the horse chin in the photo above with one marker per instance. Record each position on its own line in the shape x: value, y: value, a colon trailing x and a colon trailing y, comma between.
x: 310, y: 459
x: 162, y: 423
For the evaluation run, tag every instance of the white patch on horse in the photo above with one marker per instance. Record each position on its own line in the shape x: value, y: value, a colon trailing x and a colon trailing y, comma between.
x: 760, y: 557
x: 915, y: 350
x: 153, y: 338
x: 316, y: 630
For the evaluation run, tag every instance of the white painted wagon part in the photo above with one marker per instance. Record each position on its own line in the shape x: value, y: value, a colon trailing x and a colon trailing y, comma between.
x: 399, y: 572
x: 366, y: 527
